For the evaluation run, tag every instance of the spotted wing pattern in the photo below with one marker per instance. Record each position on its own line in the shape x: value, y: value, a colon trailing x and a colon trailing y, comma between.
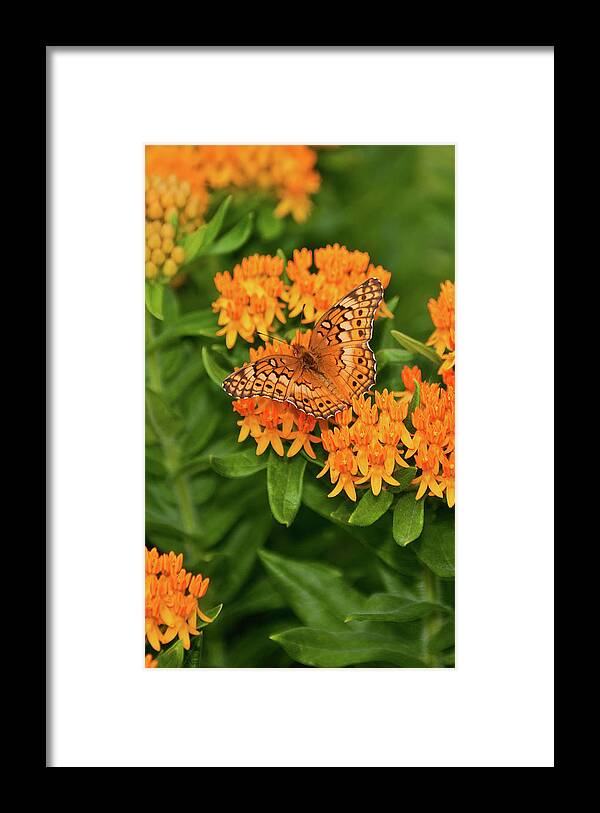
x: 339, y: 344
x: 269, y: 376
x: 341, y: 340
x: 349, y: 320
x: 313, y: 393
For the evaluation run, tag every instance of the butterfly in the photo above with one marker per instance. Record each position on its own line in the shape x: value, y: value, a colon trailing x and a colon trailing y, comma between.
x: 337, y: 365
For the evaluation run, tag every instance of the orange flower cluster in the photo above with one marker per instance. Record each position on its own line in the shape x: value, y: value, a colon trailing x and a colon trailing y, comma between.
x: 250, y: 298
x: 432, y: 442
x: 288, y: 172
x: 366, y: 441
x: 178, y: 160
x: 410, y: 375
x: 255, y: 294
x: 172, y: 596
x: 365, y: 446
x: 442, y: 338
x: 338, y: 272
x: 151, y: 663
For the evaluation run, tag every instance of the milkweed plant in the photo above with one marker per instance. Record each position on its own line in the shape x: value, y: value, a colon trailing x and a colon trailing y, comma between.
x: 275, y: 538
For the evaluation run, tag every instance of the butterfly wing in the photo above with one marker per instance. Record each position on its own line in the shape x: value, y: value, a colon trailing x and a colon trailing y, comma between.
x: 311, y: 392
x: 269, y: 376
x: 350, y: 319
x: 341, y: 337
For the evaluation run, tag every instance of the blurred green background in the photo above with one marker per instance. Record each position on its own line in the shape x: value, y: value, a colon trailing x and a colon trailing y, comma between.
x: 207, y: 496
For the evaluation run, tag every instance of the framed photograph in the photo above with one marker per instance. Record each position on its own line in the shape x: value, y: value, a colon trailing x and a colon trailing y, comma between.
x: 341, y: 562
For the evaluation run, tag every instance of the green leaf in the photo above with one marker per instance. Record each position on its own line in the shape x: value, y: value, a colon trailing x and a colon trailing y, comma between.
x: 164, y: 419
x: 408, y: 518
x: 392, y: 355
x: 213, y: 227
x: 214, y: 370
x: 390, y: 607
x: 269, y: 227
x: 235, y: 238
x: 317, y: 647
x: 414, y: 402
x: 240, y: 464
x: 415, y: 347
x: 404, y: 477
x: 195, y: 323
x: 284, y: 486
x: 371, y: 508
x: 171, y: 658
x: 192, y: 243
x: 435, y: 548
x: 443, y: 638
x: 317, y: 593
x: 227, y: 507
x: 213, y: 614
x: 239, y: 555
x: 170, y: 308
x: 193, y: 658
x: 154, y: 298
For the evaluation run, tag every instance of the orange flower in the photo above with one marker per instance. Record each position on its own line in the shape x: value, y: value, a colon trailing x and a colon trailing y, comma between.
x: 302, y: 437
x: 338, y: 272
x: 380, y: 467
x: 447, y: 478
x: 179, y: 160
x: 285, y: 171
x: 172, y: 596
x: 433, y: 441
x: 250, y: 299
x: 151, y: 663
x: 341, y: 464
x: 271, y: 417
x: 442, y: 316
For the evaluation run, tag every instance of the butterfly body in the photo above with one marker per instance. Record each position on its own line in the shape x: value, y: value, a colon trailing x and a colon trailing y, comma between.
x: 338, y: 364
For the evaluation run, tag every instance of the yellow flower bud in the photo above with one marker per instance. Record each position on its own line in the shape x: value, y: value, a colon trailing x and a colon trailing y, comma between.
x: 191, y: 209
x: 158, y: 257
x: 169, y: 268
x: 167, y: 245
x: 148, y: 253
x: 151, y: 271
x: 178, y: 254
x: 180, y: 199
x: 167, y: 200
x: 155, y: 211
x: 167, y: 230
x: 154, y: 240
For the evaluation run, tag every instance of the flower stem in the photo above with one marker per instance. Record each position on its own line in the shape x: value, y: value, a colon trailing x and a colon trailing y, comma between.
x: 170, y: 447
x: 152, y: 358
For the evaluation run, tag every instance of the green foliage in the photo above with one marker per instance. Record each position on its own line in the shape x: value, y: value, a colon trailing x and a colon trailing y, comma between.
x: 408, y: 518
x: 284, y: 486
x: 298, y: 578
x: 414, y: 347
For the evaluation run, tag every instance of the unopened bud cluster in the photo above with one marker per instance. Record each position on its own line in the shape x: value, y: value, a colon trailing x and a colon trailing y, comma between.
x: 171, y: 210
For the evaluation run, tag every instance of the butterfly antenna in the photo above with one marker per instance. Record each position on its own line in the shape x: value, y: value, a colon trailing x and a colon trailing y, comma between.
x: 268, y: 336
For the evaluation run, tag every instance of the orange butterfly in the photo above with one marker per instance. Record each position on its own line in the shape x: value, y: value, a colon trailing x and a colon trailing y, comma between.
x: 337, y: 365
